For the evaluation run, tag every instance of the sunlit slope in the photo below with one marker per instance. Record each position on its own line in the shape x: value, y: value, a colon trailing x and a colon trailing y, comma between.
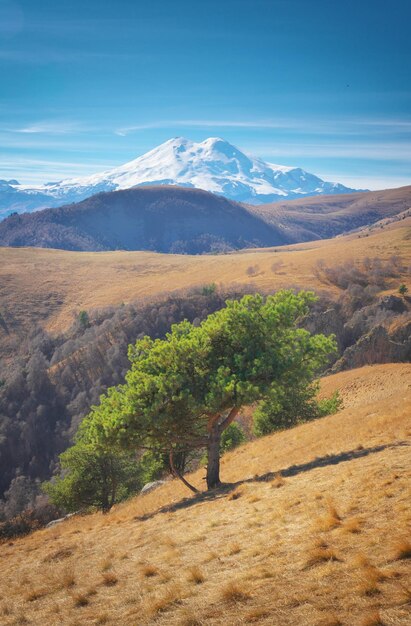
x: 48, y: 286
x: 325, y: 543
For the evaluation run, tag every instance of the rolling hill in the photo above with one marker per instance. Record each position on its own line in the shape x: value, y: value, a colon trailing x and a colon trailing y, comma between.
x: 328, y: 216
x: 175, y: 219
x: 312, y: 528
x: 48, y: 286
x: 164, y: 219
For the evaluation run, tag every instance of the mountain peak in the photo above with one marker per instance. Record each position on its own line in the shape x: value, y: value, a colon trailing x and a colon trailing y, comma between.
x: 212, y: 141
x: 213, y: 165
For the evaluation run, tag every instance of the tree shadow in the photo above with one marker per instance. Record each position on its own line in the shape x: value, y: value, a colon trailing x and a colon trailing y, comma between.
x: 292, y: 470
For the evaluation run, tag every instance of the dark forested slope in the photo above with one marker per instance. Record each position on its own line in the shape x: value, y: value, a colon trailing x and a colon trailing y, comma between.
x: 164, y: 219
x: 191, y: 221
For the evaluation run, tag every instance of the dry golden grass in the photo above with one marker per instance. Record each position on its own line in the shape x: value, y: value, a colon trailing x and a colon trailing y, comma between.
x: 403, y: 549
x: 110, y: 579
x: 235, y: 592
x: 173, y: 559
x: 148, y: 571
x: 373, y: 618
x: 195, y: 575
x: 56, y: 283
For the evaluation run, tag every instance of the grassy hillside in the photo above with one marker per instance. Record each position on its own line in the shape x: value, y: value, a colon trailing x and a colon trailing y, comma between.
x: 328, y: 216
x: 312, y: 530
x: 47, y: 286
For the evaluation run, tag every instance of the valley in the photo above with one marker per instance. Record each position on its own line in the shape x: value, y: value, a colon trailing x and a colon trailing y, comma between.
x: 50, y: 286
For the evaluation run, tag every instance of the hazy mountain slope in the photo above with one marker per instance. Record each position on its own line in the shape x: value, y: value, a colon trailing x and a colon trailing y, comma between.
x: 175, y: 219
x: 315, y: 546
x: 213, y: 165
x: 13, y: 198
x: 163, y: 218
x: 323, y: 217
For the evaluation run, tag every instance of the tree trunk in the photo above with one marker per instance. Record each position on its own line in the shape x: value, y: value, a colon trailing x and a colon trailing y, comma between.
x: 213, y: 458
x: 105, y: 489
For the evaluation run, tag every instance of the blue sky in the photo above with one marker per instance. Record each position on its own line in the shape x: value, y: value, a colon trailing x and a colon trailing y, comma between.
x: 321, y: 84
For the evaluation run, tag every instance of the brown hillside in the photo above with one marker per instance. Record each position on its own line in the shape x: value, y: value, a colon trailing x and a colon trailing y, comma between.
x: 328, y: 216
x: 47, y: 286
x: 160, y: 218
x: 313, y: 530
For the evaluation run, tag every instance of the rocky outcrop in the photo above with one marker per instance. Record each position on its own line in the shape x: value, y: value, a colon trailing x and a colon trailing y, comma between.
x: 379, y: 345
x: 151, y: 486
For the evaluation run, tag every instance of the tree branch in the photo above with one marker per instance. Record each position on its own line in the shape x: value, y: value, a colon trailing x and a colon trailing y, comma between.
x: 230, y: 418
x: 177, y: 474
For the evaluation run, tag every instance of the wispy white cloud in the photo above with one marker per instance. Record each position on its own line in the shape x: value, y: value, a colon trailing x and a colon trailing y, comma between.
x: 190, y: 123
x: 308, y: 126
x: 39, y: 171
x: 50, y: 128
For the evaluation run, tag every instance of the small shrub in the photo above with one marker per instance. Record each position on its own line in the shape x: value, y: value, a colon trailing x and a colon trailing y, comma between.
x: 189, y: 619
x: 196, y: 575
x: 234, y: 593
x: 402, y: 550
x: 83, y: 319
x: 81, y: 599
x: 252, y: 270
x: 402, y: 289
x: 232, y: 437
x: 149, y: 571
x: 329, y: 406
x: 209, y: 290
x: 372, y: 619
x: 256, y: 614
x: 67, y: 580
x: 172, y: 596
x: 235, y: 548
x: 321, y: 553
x: 235, y: 495
x: 110, y: 579
x: 369, y: 586
x: 59, y: 555
x: 35, y: 594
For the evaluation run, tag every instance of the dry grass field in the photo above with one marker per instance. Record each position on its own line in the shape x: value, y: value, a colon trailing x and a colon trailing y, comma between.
x: 313, y: 529
x: 48, y: 286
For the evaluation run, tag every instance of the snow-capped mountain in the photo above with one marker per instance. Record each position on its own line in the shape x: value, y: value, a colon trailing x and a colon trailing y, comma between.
x: 213, y: 165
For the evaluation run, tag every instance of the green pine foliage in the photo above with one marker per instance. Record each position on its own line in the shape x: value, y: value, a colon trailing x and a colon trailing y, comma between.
x: 232, y: 437
x: 288, y: 406
x: 94, y: 477
x: 185, y: 390
x: 329, y: 406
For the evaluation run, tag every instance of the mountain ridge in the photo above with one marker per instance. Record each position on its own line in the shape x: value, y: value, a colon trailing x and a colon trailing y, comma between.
x: 213, y: 165
x: 192, y: 221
